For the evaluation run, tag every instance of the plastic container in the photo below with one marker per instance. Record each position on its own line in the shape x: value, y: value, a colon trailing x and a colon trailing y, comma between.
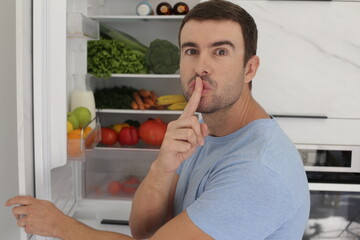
x: 124, y: 170
x: 76, y: 147
x: 79, y: 26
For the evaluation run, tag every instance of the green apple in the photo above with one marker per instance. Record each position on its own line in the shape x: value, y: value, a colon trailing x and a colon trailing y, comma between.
x: 83, y: 114
x: 71, y: 117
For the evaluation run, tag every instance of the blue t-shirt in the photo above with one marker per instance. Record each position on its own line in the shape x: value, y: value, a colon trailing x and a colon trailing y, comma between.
x: 249, y: 185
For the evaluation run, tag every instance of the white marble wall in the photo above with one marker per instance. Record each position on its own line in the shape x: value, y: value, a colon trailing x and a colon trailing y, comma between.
x: 310, y: 57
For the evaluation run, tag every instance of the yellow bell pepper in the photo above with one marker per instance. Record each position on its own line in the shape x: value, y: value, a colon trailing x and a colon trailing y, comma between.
x: 119, y: 126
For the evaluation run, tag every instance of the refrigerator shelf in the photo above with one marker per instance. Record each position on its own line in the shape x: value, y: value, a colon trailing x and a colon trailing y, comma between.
x: 116, y: 18
x: 140, y: 147
x: 152, y: 76
x: 131, y: 111
x: 142, y: 76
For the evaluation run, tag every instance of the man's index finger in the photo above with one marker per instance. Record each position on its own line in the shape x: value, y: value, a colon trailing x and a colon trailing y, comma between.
x: 194, y: 100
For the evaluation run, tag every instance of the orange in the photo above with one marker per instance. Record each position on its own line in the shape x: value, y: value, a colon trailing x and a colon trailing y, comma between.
x: 75, y: 134
x: 87, y: 130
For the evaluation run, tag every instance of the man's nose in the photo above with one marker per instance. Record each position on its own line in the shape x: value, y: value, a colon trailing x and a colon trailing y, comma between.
x: 202, y: 65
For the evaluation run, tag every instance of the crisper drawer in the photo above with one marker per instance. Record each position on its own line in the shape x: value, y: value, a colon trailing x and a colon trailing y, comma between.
x: 334, y: 215
x: 115, y: 173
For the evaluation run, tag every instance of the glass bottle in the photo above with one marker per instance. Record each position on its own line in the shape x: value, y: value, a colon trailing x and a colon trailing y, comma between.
x: 83, y: 96
x: 180, y: 8
x: 164, y: 8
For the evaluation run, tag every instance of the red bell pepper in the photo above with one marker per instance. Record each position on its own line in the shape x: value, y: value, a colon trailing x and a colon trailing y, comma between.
x: 128, y: 136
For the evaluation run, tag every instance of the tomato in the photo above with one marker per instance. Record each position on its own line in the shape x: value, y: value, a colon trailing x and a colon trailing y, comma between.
x: 108, y: 136
x: 128, y: 136
x: 114, y: 187
x: 153, y: 131
x: 130, y: 185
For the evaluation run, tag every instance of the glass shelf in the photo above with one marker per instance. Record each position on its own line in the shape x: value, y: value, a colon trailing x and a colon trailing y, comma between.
x: 156, y: 76
x: 115, y: 18
x: 131, y: 111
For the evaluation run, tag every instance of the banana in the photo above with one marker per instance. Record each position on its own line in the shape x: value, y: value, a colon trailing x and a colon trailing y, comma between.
x: 177, y: 106
x: 170, y: 99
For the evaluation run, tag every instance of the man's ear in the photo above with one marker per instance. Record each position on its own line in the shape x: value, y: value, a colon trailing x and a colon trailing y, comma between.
x: 251, y: 68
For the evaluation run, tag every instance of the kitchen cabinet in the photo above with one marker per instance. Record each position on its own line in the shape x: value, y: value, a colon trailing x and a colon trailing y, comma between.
x: 309, y: 62
x: 309, y: 67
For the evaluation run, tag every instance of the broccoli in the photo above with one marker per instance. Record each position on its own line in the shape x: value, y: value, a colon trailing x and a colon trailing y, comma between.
x: 162, y: 57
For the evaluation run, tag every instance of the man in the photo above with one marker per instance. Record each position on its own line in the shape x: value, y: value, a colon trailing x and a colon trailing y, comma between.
x: 233, y: 176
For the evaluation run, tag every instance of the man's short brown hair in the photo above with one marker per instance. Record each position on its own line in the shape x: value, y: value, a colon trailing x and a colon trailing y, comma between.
x: 224, y: 10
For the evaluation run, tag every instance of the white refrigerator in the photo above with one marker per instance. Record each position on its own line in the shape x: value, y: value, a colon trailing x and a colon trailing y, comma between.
x: 46, y: 45
x: 42, y: 52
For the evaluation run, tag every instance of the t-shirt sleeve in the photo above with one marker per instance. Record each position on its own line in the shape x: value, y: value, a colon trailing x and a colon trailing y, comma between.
x: 245, y: 200
x: 179, y: 169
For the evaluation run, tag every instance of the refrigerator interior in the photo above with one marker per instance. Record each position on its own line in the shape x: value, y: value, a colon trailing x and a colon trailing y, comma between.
x: 79, y: 186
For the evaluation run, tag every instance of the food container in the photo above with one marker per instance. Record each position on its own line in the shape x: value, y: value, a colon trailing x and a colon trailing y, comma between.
x: 76, y: 147
x: 115, y: 174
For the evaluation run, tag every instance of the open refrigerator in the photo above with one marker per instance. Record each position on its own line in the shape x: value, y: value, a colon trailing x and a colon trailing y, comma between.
x: 77, y: 184
x: 60, y: 32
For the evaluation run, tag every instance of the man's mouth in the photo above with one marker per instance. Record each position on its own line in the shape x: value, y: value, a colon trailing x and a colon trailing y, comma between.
x: 206, y: 86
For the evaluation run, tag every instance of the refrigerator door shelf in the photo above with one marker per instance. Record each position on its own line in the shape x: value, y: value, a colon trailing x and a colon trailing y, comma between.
x: 79, y: 26
x: 76, y: 147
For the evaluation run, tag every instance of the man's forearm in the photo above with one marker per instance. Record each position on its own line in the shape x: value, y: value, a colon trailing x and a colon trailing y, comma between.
x: 150, y: 208
x: 72, y: 229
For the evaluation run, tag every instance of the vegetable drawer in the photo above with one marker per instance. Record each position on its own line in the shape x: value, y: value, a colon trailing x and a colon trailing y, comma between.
x: 115, y: 174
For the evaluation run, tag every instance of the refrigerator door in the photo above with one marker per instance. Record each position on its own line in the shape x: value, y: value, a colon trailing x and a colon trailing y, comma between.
x: 54, y: 178
x: 16, y: 138
x: 49, y: 36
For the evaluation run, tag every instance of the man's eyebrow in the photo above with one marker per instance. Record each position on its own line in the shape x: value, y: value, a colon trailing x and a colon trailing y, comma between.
x: 215, y: 44
x: 188, y: 44
x: 220, y: 43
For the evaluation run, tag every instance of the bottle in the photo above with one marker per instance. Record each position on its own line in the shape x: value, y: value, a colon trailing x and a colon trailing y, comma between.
x: 83, y: 96
x: 180, y: 8
x: 144, y: 9
x: 164, y: 8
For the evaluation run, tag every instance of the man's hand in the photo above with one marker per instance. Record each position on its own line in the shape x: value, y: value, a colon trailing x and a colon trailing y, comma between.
x: 181, y: 139
x: 183, y: 135
x: 38, y: 217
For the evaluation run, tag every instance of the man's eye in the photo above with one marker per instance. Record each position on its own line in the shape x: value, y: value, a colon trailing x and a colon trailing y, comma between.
x: 221, y: 52
x: 190, y: 51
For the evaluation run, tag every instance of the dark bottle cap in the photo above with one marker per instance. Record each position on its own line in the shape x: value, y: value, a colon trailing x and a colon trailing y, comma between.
x: 164, y: 8
x: 180, y: 8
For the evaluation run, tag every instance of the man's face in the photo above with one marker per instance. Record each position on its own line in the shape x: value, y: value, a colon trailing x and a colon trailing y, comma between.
x: 213, y: 50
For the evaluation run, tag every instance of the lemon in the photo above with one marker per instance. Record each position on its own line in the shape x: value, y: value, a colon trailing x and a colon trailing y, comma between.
x: 73, y: 120
x: 70, y: 127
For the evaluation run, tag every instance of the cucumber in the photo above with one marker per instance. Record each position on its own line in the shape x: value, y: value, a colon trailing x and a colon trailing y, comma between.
x: 130, y: 42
